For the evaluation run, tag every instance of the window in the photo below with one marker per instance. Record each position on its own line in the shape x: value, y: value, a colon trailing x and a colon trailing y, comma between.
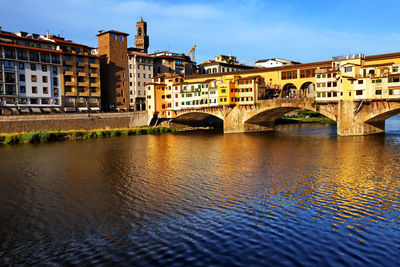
x: 45, y: 90
x: 378, y: 92
x: 22, y: 78
x: 359, y: 92
x: 22, y: 89
x: 55, y: 91
x: 55, y: 72
x: 138, y: 75
x: 33, y: 66
x: 9, y: 65
x: 287, y: 75
x: 348, y: 69
x: 45, y: 79
x: 114, y: 37
x: 44, y: 67
x: 21, y: 66
x: 34, y: 101
x: 45, y: 101
x: 130, y: 66
x: 360, y: 81
x: 121, y: 37
x: 144, y: 75
x: 92, y: 61
x: 34, y: 90
x: 55, y: 81
x: 79, y: 59
x: 33, y: 78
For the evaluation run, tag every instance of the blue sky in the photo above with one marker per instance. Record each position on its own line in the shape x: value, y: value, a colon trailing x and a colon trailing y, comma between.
x: 305, y: 31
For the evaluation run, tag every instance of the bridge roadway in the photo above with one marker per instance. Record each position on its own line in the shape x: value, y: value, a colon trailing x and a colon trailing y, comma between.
x: 352, y: 117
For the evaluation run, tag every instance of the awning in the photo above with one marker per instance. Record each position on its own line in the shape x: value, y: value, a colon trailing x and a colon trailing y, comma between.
x: 57, y: 109
x: 14, y: 110
x: 48, y: 110
x: 24, y: 110
x: 69, y: 109
x: 83, y: 109
x: 36, y: 110
x: 95, y: 109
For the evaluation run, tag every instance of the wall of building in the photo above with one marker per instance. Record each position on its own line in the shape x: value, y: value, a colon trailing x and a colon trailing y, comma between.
x: 29, y: 123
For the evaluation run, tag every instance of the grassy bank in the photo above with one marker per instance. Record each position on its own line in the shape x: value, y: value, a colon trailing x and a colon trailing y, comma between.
x: 60, y: 135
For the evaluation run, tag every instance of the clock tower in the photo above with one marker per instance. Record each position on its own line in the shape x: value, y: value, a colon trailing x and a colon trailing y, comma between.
x: 141, y: 37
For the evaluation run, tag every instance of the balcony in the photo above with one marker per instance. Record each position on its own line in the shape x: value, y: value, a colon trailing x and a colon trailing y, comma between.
x: 68, y: 62
x: 69, y: 83
x: 94, y: 65
x: 68, y: 73
x: 83, y: 84
x: 80, y: 64
x: 94, y: 75
x: 82, y: 74
x: 95, y: 84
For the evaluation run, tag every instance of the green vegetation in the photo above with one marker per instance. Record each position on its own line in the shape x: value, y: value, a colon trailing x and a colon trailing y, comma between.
x: 305, y: 116
x: 60, y: 135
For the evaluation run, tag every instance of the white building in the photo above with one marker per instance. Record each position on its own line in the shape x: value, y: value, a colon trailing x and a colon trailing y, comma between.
x: 30, y: 73
x: 274, y: 62
x: 140, y: 73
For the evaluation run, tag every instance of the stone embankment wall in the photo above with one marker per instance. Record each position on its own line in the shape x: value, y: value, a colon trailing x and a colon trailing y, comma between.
x: 30, y: 123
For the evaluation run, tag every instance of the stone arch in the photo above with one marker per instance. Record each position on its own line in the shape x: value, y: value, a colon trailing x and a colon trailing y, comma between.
x: 382, y: 114
x: 198, y: 119
x: 307, y: 89
x: 289, y: 90
x: 273, y: 112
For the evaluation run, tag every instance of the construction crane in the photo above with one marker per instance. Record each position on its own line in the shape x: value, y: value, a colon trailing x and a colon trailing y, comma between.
x: 192, y: 52
x: 247, y: 61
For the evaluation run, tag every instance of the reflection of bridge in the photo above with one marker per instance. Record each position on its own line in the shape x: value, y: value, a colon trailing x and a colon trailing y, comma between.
x: 353, y: 118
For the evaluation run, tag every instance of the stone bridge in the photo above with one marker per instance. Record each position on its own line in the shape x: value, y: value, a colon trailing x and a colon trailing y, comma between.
x: 352, y: 117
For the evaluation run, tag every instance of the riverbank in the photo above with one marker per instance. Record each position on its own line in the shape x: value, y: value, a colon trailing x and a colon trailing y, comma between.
x: 63, y: 135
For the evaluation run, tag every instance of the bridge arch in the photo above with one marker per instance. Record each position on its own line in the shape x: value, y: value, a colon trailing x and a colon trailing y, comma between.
x: 270, y: 113
x: 307, y: 89
x: 380, y: 111
x: 199, y: 118
x: 289, y: 90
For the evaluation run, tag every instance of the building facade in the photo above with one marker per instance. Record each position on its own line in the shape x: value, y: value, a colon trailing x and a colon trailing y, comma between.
x: 222, y: 64
x: 167, y: 62
x: 114, y: 70
x: 140, y: 73
x: 80, y: 79
x: 30, y: 73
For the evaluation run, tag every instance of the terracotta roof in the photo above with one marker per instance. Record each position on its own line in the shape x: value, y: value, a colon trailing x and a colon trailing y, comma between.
x: 25, y: 38
x: 112, y: 31
x: 31, y: 48
x: 139, y: 55
x: 70, y: 43
x: 378, y: 65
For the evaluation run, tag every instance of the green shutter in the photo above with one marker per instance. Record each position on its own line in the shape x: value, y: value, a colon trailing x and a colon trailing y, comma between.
x: 390, y: 79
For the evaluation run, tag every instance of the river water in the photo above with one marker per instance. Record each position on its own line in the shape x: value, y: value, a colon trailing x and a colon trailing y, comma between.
x: 300, y: 196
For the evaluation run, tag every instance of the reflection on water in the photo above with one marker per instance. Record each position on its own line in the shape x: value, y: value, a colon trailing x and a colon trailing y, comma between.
x: 299, y: 196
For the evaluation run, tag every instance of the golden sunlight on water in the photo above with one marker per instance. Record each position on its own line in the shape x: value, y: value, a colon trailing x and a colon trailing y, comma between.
x: 299, y: 196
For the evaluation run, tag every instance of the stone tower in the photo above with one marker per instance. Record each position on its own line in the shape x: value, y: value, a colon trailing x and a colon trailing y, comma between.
x: 141, y: 37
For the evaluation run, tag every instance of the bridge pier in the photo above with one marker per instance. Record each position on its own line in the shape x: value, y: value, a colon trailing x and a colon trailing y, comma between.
x: 349, y: 123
